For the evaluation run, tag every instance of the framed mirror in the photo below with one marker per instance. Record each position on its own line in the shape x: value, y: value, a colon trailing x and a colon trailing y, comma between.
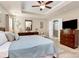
x: 28, y: 25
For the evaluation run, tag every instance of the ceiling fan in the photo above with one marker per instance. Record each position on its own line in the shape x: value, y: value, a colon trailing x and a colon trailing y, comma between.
x: 43, y: 4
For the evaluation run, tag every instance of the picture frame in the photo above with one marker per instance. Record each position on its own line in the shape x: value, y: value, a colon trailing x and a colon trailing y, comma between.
x: 28, y: 25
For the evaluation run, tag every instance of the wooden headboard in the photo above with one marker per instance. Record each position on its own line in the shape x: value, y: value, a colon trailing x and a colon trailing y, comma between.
x: 2, y: 29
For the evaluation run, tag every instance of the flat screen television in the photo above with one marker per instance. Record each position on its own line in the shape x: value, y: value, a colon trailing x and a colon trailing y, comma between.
x: 72, y: 24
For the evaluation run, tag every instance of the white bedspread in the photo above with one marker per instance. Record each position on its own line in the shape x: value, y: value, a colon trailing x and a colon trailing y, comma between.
x: 4, y: 49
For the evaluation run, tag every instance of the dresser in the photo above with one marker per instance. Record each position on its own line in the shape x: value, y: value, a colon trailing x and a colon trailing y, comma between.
x: 27, y: 33
x: 69, y: 38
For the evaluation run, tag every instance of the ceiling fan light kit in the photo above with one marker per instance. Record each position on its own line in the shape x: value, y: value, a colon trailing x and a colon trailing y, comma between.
x: 42, y: 6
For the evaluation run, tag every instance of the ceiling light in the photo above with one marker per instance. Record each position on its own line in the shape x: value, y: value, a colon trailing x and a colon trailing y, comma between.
x: 42, y: 6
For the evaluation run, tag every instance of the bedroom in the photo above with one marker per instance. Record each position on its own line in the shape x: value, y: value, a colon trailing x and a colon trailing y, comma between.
x: 16, y: 14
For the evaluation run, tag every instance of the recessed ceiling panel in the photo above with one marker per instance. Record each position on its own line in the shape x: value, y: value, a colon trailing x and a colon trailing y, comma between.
x: 27, y: 7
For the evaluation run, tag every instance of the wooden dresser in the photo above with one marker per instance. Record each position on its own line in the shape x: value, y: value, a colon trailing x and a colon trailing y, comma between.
x: 27, y: 33
x: 70, y: 38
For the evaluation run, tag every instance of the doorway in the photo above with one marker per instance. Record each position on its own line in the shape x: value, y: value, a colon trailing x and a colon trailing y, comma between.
x: 55, y: 28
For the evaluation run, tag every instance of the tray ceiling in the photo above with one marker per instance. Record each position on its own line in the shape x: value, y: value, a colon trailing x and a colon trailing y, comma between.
x: 27, y: 7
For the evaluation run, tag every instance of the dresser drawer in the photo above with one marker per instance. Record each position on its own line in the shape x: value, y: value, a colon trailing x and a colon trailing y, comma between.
x: 69, y: 39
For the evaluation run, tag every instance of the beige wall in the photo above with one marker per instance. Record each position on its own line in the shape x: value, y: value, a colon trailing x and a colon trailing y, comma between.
x: 68, y: 15
x: 19, y: 24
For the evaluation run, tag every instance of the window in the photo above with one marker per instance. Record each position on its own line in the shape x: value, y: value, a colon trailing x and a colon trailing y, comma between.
x: 11, y: 24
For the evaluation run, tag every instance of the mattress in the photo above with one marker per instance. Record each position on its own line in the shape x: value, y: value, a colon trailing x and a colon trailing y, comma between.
x: 4, y: 49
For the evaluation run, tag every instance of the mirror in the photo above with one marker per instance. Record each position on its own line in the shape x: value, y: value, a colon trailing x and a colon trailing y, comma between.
x: 28, y: 25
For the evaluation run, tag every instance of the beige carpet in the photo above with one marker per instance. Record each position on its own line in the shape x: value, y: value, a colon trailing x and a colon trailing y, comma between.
x: 66, y: 52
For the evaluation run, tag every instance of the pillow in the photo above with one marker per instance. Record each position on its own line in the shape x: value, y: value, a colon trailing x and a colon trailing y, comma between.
x: 3, y: 38
x: 16, y: 36
x: 10, y: 36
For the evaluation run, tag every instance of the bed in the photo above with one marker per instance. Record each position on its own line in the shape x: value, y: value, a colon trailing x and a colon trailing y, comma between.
x: 4, y: 49
x: 33, y: 46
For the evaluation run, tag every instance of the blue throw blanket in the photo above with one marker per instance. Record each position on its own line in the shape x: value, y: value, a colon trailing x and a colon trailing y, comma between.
x: 31, y: 47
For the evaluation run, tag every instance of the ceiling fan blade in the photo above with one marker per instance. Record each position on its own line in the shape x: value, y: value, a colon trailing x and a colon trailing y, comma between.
x: 39, y: 2
x: 48, y: 7
x: 48, y: 2
x: 35, y: 6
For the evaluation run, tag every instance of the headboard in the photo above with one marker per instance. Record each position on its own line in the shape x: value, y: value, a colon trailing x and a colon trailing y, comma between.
x: 2, y: 29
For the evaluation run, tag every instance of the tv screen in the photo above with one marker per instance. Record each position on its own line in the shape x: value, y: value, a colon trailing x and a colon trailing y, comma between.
x: 72, y: 24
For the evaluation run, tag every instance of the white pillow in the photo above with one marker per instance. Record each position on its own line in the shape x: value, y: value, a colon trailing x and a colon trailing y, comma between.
x: 3, y: 38
x: 16, y: 36
x: 10, y: 36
